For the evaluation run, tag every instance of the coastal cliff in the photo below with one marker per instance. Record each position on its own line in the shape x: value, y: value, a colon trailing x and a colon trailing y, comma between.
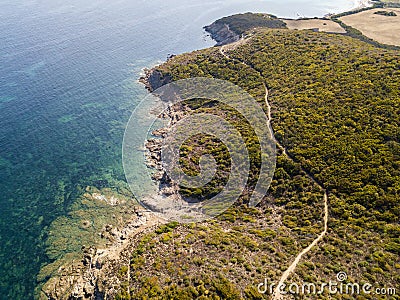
x: 221, y: 33
x: 230, y: 29
x: 154, y: 79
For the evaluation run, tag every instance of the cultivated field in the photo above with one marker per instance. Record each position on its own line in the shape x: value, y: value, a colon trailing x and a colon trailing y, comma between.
x: 322, y: 25
x: 381, y: 28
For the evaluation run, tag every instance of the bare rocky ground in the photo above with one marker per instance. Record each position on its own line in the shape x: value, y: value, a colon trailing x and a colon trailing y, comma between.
x: 88, y: 278
x: 106, y: 222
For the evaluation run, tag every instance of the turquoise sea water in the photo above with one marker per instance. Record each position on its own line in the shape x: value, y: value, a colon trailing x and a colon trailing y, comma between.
x: 68, y: 73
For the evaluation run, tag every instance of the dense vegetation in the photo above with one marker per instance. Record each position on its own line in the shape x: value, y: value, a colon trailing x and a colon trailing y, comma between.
x: 240, y: 23
x: 336, y: 108
x: 228, y: 255
x: 200, y: 145
x: 339, y: 116
x: 386, y: 13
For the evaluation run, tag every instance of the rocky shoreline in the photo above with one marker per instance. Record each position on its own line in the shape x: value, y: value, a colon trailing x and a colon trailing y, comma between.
x: 168, y: 201
x: 95, y: 274
x: 222, y: 34
x: 154, y: 79
x: 92, y: 272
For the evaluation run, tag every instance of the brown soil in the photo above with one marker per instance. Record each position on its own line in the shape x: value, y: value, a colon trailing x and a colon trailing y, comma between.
x: 383, y: 29
x: 321, y: 25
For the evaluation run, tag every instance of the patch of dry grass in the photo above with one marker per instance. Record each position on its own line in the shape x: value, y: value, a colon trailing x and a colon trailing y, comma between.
x: 322, y: 25
x: 383, y: 29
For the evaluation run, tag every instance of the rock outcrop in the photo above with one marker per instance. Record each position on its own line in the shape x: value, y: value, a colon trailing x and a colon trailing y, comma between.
x: 154, y: 79
x: 88, y: 278
x: 221, y: 33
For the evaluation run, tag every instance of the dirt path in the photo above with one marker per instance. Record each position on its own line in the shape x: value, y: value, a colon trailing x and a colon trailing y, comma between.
x: 232, y: 46
x: 292, y: 267
x: 277, y: 295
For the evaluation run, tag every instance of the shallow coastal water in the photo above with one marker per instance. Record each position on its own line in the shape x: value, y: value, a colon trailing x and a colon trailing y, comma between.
x: 68, y: 84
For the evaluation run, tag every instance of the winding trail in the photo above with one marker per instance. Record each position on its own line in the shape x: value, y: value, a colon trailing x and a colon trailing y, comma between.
x: 277, y: 293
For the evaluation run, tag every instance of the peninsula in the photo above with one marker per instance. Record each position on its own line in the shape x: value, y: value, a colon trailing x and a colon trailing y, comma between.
x: 331, y: 95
